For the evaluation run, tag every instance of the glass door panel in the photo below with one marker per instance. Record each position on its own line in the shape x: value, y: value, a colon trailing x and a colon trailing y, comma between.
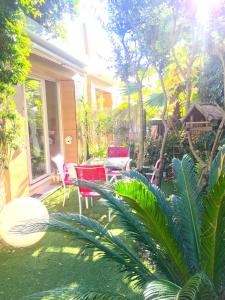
x: 53, y: 119
x: 36, y: 122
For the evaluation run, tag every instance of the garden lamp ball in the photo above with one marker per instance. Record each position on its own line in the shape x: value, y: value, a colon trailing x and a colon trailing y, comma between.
x: 22, y: 211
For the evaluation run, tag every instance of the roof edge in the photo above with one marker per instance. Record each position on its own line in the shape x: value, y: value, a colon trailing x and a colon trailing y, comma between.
x: 57, y: 52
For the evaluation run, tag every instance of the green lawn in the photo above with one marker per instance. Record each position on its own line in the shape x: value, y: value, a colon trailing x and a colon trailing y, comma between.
x: 57, y: 261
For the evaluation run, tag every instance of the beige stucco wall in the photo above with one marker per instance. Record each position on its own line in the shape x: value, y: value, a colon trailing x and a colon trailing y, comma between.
x: 68, y: 109
x: 18, y: 175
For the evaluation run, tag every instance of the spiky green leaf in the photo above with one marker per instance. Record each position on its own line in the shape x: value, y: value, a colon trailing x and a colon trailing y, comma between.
x: 198, y: 287
x: 130, y: 90
x: 100, y: 239
x: 155, y: 100
x: 161, y: 290
x: 104, y: 235
x: 139, y: 233
x: 161, y: 198
x: 218, y: 167
x: 145, y: 204
x: 189, y: 209
x: 213, y: 233
x: 76, y: 293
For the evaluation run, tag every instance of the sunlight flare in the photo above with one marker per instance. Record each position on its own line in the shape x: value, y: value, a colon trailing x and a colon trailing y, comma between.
x: 204, y: 9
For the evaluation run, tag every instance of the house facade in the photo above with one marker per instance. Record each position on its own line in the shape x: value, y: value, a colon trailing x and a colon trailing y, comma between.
x: 48, y: 102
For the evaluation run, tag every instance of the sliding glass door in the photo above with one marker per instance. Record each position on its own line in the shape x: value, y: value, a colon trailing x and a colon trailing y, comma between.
x: 53, y: 120
x: 37, y: 128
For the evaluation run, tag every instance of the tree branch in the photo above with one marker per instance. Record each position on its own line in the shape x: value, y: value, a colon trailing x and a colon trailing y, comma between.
x: 216, y: 141
x: 166, y: 130
x: 196, y: 156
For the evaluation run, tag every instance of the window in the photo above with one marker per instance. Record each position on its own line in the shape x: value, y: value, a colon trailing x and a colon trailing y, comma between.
x: 36, y: 128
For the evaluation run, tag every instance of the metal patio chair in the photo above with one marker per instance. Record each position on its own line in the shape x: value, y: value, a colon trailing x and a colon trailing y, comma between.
x: 116, y: 152
x: 92, y: 173
x: 64, y: 174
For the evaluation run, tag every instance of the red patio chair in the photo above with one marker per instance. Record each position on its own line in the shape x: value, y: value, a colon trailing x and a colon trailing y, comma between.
x: 114, y: 151
x: 94, y: 173
x: 64, y: 174
x: 117, y: 152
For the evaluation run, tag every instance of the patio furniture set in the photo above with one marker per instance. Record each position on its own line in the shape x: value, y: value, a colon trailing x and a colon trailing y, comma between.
x: 104, y: 170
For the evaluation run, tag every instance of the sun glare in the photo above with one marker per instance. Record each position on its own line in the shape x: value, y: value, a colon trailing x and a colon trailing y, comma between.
x: 204, y: 7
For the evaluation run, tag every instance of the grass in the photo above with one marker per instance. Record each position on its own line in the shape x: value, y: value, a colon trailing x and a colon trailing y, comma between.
x: 57, y: 261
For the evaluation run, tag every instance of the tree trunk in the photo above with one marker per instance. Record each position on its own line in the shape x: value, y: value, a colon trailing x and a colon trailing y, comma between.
x: 198, y: 158
x: 159, y: 174
x: 188, y: 94
x: 140, y: 159
x: 188, y: 85
x: 5, y: 188
x: 2, y: 189
x: 129, y: 114
x: 7, y: 185
x: 86, y: 128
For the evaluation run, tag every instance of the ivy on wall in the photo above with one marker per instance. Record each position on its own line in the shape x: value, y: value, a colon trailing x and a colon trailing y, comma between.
x: 14, y: 67
x: 14, y: 63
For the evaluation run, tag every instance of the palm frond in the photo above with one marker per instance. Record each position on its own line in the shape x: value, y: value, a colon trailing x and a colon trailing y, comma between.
x: 95, y: 295
x: 137, y: 230
x: 100, y: 239
x: 87, y: 223
x: 175, y: 204
x: 161, y: 198
x: 197, y: 287
x: 218, y: 167
x: 161, y: 290
x: 76, y: 293
x: 104, y: 235
x: 145, y: 204
x: 131, y: 89
x: 213, y: 233
x: 156, y: 100
x: 189, y: 209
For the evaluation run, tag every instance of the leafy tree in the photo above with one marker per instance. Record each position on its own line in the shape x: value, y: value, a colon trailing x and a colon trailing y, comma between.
x: 50, y: 13
x: 186, y: 44
x: 216, y: 37
x: 211, y: 82
x: 173, y: 245
x: 215, y: 40
x: 14, y: 67
x: 125, y: 27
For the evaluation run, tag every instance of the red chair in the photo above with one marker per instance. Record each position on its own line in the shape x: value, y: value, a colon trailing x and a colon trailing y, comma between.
x: 95, y: 173
x: 117, y: 152
x: 64, y: 174
x: 114, y: 151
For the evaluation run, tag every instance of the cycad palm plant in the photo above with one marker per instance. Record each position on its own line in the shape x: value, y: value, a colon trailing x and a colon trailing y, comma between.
x: 173, y: 248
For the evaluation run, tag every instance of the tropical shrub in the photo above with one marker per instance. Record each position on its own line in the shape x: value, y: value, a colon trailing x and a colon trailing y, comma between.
x: 173, y: 248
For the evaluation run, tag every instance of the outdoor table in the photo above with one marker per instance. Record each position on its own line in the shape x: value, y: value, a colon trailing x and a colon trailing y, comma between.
x: 114, y: 165
x: 119, y: 163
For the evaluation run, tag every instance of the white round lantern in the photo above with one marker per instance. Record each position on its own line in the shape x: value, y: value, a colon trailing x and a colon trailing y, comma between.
x: 22, y: 211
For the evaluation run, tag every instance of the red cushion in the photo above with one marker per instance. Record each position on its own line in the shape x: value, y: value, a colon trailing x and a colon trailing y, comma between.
x: 114, y: 151
x: 90, y: 194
